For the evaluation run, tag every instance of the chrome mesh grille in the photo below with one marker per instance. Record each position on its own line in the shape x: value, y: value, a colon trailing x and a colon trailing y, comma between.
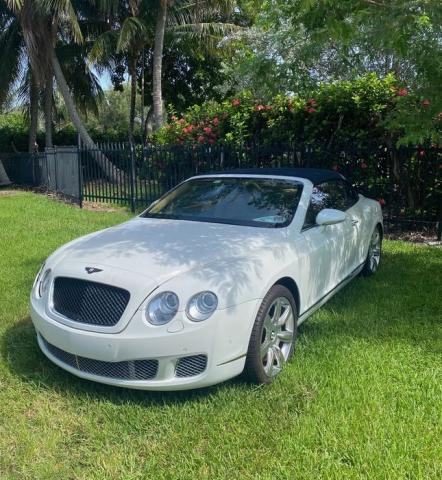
x: 191, y: 366
x: 128, y: 370
x: 89, y: 302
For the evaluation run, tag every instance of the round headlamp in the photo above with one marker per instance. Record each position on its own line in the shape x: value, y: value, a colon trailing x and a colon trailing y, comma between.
x: 201, y: 306
x: 43, y: 286
x: 162, y: 308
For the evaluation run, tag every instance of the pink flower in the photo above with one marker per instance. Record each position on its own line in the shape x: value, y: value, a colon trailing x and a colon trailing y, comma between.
x: 312, y: 102
x: 422, y: 153
x: 174, y: 118
x: 311, y: 110
x: 260, y: 107
x: 181, y: 120
x: 207, y: 130
x: 236, y: 102
x: 216, y: 121
x: 364, y: 165
x: 402, y: 92
x: 381, y: 201
x: 201, y: 139
x: 426, y: 103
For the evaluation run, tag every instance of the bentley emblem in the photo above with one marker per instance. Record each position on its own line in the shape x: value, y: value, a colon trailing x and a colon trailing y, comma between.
x: 93, y: 270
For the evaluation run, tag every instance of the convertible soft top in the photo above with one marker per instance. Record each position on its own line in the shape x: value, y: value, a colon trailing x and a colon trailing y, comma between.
x: 315, y: 175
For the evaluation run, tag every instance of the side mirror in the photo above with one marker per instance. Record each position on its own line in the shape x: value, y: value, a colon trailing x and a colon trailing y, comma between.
x: 330, y: 216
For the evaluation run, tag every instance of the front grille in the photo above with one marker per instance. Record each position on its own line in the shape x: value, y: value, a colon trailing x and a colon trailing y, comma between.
x: 89, y: 302
x: 191, y: 366
x: 129, y: 370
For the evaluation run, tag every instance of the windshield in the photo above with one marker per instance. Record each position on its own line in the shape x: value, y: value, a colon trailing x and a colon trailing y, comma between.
x: 260, y: 202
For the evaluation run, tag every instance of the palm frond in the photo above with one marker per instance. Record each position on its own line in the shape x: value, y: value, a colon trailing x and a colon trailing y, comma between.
x: 132, y: 31
x: 65, y: 11
x: 11, y: 49
x: 15, y: 5
x: 104, y: 47
x: 203, y: 30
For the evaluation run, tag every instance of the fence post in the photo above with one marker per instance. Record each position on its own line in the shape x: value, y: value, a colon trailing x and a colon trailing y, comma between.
x: 133, y: 185
x: 439, y: 222
x: 80, y: 177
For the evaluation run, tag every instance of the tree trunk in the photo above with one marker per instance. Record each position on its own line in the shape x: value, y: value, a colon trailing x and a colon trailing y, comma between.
x: 109, y: 169
x: 158, y: 66
x: 4, y: 179
x: 33, y: 114
x: 48, y: 104
x: 133, y: 96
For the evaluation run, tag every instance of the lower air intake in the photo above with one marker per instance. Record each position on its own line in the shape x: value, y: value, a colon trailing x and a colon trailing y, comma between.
x: 191, y: 366
x: 129, y: 370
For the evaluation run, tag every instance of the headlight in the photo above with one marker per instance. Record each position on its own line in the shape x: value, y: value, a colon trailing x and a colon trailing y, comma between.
x: 44, y: 282
x: 201, y: 306
x: 162, y: 308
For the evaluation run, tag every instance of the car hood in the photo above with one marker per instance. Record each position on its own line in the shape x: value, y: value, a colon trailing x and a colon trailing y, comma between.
x: 161, y: 249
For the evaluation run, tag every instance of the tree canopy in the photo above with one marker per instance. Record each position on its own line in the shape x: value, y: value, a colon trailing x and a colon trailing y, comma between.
x: 165, y: 56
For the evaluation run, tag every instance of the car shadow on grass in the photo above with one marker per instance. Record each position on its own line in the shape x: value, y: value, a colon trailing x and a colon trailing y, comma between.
x: 25, y: 360
x: 400, y: 303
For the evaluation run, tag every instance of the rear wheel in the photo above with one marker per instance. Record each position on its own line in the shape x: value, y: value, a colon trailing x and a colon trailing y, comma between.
x: 374, y: 253
x: 273, y: 336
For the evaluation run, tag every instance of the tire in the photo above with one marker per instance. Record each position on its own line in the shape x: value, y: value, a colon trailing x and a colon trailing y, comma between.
x: 272, y: 343
x: 373, y: 259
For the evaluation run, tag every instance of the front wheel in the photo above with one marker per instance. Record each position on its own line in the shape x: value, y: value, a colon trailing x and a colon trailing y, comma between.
x: 273, y: 336
x: 374, y: 253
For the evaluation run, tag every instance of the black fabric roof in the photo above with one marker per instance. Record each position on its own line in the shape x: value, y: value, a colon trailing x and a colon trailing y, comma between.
x: 315, y: 175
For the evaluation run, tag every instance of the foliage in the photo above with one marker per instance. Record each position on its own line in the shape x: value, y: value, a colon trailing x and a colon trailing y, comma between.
x: 365, y: 111
x: 294, y: 45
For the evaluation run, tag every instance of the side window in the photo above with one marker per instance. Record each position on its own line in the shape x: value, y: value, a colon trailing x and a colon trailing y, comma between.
x: 352, y: 195
x: 337, y: 196
x: 318, y: 202
x: 331, y: 194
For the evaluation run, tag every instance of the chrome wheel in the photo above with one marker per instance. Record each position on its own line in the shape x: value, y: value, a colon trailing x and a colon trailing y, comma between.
x: 374, y: 254
x: 277, y: 336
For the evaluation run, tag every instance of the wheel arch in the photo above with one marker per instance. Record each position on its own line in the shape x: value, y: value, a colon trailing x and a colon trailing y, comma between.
x: 381, y: 228
x: 291, y: 285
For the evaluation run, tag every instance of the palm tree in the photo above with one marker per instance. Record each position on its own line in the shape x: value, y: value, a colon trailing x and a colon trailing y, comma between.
x: 127, y: 35
x: 40, y: 21
x: 16, y: 69
x: 193, y: 19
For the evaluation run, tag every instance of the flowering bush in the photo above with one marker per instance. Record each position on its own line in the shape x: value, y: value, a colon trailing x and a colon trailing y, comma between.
x: 364, y: 111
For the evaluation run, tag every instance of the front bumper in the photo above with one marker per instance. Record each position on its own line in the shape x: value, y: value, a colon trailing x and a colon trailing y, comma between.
x: 223, y: 339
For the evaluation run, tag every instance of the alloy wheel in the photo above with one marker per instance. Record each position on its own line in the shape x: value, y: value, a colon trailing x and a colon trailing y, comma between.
x: 375, y: 250
x: 277, y: 336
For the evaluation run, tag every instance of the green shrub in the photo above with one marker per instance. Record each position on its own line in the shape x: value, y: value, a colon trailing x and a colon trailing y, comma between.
x: 365, y: 111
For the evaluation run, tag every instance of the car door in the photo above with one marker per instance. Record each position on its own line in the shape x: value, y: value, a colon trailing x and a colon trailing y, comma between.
x: 355, y: 213
x: 327, y: 257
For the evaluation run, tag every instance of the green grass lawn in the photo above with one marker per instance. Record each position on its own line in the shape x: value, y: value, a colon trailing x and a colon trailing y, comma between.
x: 362, y: 397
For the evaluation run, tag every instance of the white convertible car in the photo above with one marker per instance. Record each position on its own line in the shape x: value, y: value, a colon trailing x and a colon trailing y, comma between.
x: 211, y: 281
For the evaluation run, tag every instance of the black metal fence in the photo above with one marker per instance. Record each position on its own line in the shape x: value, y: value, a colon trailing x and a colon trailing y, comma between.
x: 407, y: 181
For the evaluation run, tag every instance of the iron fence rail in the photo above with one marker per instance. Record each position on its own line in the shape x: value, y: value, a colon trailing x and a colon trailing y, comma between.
x: 408, y: 181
